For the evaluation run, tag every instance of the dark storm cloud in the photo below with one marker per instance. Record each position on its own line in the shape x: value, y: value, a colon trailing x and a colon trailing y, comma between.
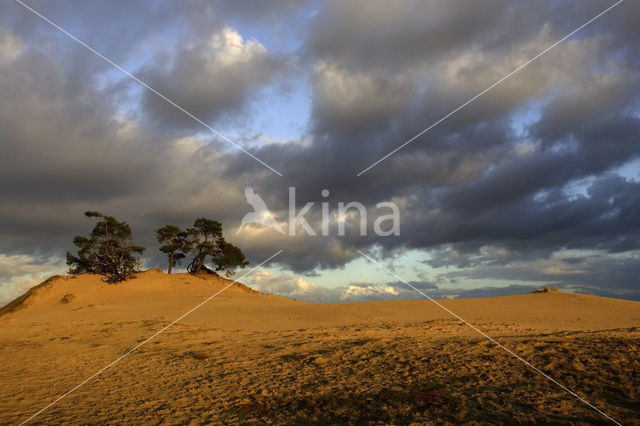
x: 67, y: 144
x: 366, y: 34
x: 476, y: 180
x: 596, y: 274
x: 496, y: 179
x: 209, y: 77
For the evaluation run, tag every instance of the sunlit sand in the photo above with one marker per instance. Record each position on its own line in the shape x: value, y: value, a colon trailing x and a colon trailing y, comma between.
x: 246, y: 357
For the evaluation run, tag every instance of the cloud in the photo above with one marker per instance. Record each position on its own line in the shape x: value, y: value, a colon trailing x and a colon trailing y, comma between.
x: 352, y: 101
x: 593, y: 273
x: 209, y: 77
x: 297, y: 287
x: 10, y: 45
x: 528, y: 170
x: 19, y: 273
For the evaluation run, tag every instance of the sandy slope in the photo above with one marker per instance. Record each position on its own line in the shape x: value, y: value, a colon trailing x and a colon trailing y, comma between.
x: 245, y: 357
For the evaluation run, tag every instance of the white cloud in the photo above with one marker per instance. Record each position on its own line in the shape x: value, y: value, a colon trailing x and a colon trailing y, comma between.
x: 10, y: 45
x: 212, y: 76
x: 228, y: 48
x: 18, y: 273
x: 299, y: 288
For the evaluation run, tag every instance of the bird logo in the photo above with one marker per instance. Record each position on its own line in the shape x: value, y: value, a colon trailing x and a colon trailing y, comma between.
x: 260, y: 214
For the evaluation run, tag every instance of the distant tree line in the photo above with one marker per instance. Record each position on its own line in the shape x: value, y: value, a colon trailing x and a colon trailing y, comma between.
x: 109, y: 249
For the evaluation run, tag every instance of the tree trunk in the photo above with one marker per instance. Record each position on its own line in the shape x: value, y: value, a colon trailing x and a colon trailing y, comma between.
x: 202, y: 258
x: 170, y: 263
x: 200, y: 264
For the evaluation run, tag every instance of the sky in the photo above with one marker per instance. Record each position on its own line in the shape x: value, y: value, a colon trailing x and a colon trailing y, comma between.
x: 536, y: 182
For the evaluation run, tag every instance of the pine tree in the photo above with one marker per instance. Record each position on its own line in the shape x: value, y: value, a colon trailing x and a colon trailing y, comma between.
x: 109, y: 250
x: 176, y: 244
x: 205, y: 240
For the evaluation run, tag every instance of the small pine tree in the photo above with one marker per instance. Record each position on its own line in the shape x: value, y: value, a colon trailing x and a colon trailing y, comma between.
x: 109, y: 251
x: 205, y: 240
x: 176, y: 244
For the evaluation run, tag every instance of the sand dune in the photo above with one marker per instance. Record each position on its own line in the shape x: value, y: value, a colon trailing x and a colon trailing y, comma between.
x: 246, y: 357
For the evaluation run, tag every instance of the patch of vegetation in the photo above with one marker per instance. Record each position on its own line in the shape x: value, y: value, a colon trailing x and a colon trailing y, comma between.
x: 67, y: 298
x: 544, y: 289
